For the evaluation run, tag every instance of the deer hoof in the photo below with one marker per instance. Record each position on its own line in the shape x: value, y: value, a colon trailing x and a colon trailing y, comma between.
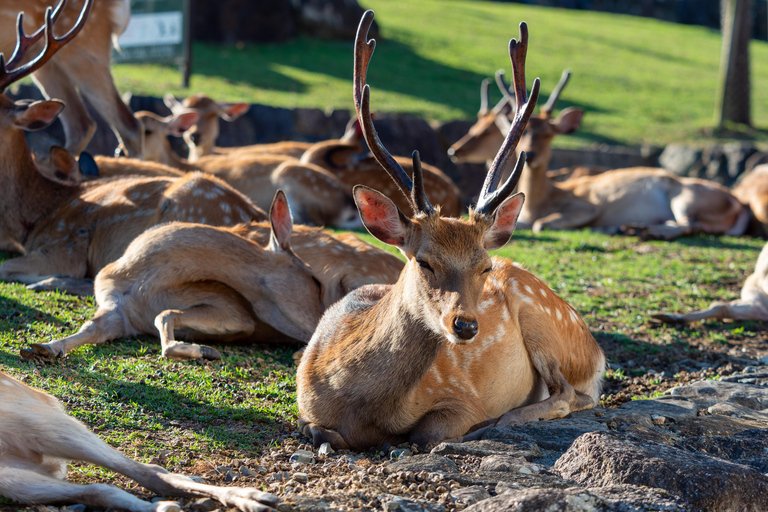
x: 667, y: 318
x: 209, y: 353
x: 41, y: 349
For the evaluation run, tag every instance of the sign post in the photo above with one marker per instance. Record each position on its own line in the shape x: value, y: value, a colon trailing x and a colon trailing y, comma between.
x: 158, y: 31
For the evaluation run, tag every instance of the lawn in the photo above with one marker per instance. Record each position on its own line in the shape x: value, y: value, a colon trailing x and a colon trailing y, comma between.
x: 640, y: 80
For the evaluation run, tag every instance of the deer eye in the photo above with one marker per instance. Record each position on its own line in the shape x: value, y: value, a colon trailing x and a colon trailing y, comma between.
x: 487, y: 271
x: 423, y: 264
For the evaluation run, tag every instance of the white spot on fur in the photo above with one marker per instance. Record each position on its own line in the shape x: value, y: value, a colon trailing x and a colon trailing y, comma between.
x: 528, y: 290
x: 61, y: 226
x: 574, y: 317
x: 198, y: 192
x: 543, y: 292
x: 227, y: 220
x: 485, y: 305
x: 558, y: 314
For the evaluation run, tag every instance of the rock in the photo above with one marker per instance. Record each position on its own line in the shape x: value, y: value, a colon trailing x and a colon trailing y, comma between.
x: 642, y: 411
x: 400, y: 453
x: 425, y: 462
x: 282, y: 476
x: 502, y: 463
x: 609, y: 458
x: 612, y: 499
x: 326, y: 449
x: 245, y: 471
x: 301, y: 478
x: 707, y: 393
x: 738, y: 411
x: 487, y: 447
x: 713, y: 426
x: 470, y: 495
x: 393, y: 503
x: 303, y: 457
x: 76, y: 508
x: 205, y: 505
x: 748, y: 447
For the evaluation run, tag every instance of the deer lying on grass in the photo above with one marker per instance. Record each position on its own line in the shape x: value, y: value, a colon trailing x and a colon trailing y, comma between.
x: 661, y: 204
x: 80, y: 70
x: 753, y: 192
x: 753, y: 304
x: 68, y: 229
x: 461, y: 338
x: 220, y: 284
x: 316, y: 196
x: 37, y: 438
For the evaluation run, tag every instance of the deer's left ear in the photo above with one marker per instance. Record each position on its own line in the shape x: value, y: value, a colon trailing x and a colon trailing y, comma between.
x: 281, y: 223
x: 231, y: 111
x: 504, y: 222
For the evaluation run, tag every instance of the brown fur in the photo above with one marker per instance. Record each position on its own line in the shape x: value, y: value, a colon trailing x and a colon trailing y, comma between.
x: 752, y: 190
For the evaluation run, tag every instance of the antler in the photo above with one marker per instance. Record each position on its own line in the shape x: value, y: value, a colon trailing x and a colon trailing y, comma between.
x: 552, y: 100
x: 413, y: 190
x: 490, y: 197
x: 52, y: 44
x: 484, y: 96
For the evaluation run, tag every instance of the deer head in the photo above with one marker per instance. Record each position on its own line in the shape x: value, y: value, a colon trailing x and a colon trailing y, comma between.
x: 156, y: 129
x: 447, y: 259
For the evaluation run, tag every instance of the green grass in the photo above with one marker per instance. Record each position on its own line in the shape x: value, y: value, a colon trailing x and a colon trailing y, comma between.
x: 639, y: 80
x: 143, y: 403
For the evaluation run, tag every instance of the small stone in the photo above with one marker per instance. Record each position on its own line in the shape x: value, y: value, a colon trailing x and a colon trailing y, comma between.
x: 205, y: 505
x: 325, y: 449
x: 245, y: 471
x: 197, y: 479
x: 301, y: 478
x: 303, y: 457
x: 658, y: 420
x: 525, y: 470
x: 400, y: 453
x: 470, y: 495
x: 76, y: 508
x: 279, y: 477
x: 223, y: 470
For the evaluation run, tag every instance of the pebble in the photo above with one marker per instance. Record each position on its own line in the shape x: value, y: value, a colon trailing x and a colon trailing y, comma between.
x: 303, y: 457
x: 279, y: 477
x: 301, y: 478
x: 325, y: 449
x: 197, y: 479
x: 400, y: 453
x: 245, y: 471
x: 205, y: 505
x: 76, y: 508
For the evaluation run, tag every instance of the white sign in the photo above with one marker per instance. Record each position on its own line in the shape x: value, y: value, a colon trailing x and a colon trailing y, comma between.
x: 151, y: 29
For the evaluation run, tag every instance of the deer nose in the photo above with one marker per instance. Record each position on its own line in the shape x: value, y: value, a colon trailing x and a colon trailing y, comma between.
x: 451, y: 151
x: 465, y: 329
x: 530, y: 156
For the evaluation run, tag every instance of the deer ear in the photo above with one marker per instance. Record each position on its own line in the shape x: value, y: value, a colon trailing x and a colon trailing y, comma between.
x: 171, y: 102
x: 36, y: 115
x: 282, y: 223
x: 88, y: 165
x: 181, y: 122
x: 504, y: 222
x: 381, y: 217
x: 61, y: 167
x: 568, y: 121
x: 231, y: 111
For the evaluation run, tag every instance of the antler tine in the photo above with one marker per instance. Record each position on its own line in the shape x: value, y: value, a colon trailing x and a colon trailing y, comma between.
x: 484, y: 96
x: 418, y: 194
x: 52, y: 45
x: 362, y: 97
x: 552, y: 100
x: 24, y: 42
x: 524, y: 106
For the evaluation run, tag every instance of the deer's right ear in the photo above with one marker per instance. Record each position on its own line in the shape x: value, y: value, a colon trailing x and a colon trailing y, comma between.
x: 281, y: 221
x: 504, y: 222
x: 36, y: 115
x: 231, y: 111
x: 180, y: 122
x: 381, y: 217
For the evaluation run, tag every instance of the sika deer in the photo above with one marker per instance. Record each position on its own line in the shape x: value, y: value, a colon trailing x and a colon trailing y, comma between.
x: 220, y: 284
x: 753, y: 304
x: 37, y: 438
x: 70, y: 229
x: 461, y: 338
x: 79, y: 70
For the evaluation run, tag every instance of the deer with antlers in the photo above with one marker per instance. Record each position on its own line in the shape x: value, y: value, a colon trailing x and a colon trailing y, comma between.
x: 82, y: 69
x: 224, y: 284
x: 37, y: 438
x: 660, y: 204
x: 70, y: 229
x: 462, y: 339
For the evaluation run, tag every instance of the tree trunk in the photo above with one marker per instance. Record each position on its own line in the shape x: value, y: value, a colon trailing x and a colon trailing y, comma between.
x: 733, y: 105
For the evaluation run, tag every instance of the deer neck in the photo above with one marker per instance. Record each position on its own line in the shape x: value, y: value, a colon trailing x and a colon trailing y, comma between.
x: 536, y: 186
x: 26, y: 196
x: 171, y: 159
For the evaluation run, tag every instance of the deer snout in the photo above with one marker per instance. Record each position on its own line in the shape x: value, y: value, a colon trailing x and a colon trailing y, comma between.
x: 465, y: 328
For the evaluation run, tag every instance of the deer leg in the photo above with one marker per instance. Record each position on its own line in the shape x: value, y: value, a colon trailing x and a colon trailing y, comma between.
x: 736, y: 310
x: 79, y: 127
x: 83, y: 287
x: 230, y: 320
x: 106, y: 325
x: 50, y: 261
x: 320, y: 435
x: 447, y: 422
x: 576, y: 216
x: 26, y: 485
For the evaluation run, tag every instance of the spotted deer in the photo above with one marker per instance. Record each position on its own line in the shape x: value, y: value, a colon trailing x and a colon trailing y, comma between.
x: 660, y: 204
x: 316, y: 196
x: 70, y: 229
x: 753, y: 304
x: 752, y: 191
x: 222, y: 284
x: 462, y: 339
x: 82, y: 69
x: 37, y: 438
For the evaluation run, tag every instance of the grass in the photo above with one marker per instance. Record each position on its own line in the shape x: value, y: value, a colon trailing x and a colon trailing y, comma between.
x: 640, y: 80
x: 143, y: 403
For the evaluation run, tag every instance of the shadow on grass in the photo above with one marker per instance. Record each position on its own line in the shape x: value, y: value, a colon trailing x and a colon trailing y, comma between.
x: 15, y: 315
x: 711, y: 241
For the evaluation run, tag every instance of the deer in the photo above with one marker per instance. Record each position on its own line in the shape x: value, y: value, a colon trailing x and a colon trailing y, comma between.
x: 258, y: 282
x: 37, y: 438
x: 652, y: 202
x: 80, y: 70
x: 753, y: 304
x: 752, y: 191
x: 461, y: 340
x: 69, y: 228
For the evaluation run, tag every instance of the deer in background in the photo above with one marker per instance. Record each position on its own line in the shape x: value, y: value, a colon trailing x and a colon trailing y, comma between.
x: 462, y: 339
x: 222, y: 284
x: 82, y: 69
x: 752, y: 191
x: 70, y: 229
x: 753, y: 304
x: 660, y: 204
x: 37, y: 438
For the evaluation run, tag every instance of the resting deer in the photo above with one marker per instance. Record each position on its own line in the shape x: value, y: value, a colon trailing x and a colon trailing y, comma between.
x: 462, y: 338
x: 753, y: 304
x: 220, y: 284
x: 753, y: 192
x: 69, y: 229
x: 663, y: 205
x: 80, y: 70
x: 37, y: 438
x: 316, y: 196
